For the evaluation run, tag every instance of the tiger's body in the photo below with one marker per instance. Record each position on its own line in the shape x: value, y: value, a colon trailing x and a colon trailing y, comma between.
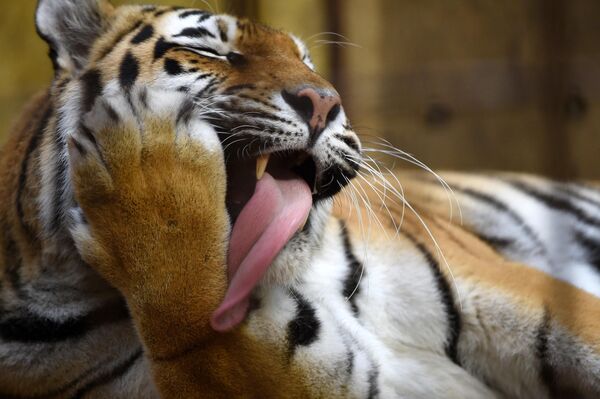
x: 504, y: 307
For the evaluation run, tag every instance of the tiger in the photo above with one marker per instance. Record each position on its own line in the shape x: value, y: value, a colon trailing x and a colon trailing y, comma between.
x: 188, y: 212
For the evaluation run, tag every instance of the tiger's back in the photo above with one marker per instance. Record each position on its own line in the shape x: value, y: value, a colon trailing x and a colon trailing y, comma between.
x: 507, y: 260
x: 549, y: 225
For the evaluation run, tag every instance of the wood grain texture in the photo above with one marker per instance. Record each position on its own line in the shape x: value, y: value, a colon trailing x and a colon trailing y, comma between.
x: 480, y: 85
x: 461, y: 85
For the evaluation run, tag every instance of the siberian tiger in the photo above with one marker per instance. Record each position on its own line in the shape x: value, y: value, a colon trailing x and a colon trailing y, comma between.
x: 173, y: 227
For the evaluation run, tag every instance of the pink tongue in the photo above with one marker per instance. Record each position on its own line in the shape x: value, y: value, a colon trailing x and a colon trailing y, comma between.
x: 271, y: 217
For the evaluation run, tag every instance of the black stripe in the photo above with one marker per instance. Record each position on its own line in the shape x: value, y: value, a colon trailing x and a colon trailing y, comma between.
x: 251, y: 113
x: 373, y: 387
x: 92, y: 88
x: 185, y: 111
x: 87, y: 133
x: 541, y: 346
x: 556, y: 203
x: 304, y: 329
x: 173, y: 67
x: 196, y: 32
x: 32, y: 328
x: 109, y: 48
x: 260, y: 101
x: 29, y: 328
x: 143, y: 97
x: 447, y: 298
x: 203, y: 76
x: 33, y: 144
x: 502, y: 207
x: 112, y: 114
x: 577, y: 192
x: 349, y: 141
x: 109, y: 376
x: 229, y: 123
x: 211, y: 83
x: 223, y: 34
x: 349, y: 362
x: 498, y: 243
x: 210, y: 87
x: 63, y: 389
x: 144, y: 34
x: 591, y: 247
x: 13, y: 261
x: 236, y: 88
x: 61, y: 84
x: 162, y: 46
x: 203, y: 18
x: 355, y: 270
x: 129, y: 71
x: 193, y: 12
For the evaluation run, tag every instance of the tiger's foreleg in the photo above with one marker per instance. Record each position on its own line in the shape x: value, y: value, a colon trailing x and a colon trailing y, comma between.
x: 154, y: 224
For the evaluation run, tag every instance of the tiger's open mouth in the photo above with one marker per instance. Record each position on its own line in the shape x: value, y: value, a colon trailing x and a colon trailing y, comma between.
x: 242, y: 175
x: 269, y: 199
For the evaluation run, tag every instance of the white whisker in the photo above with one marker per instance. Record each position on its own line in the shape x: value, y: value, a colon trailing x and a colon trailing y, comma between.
x: 394, y: 152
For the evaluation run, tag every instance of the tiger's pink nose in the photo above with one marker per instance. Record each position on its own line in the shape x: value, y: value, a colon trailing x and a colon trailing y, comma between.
x: 316, y: 107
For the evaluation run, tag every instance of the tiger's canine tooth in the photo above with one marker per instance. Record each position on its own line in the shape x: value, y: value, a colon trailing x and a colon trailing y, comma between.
x: 261, y: 165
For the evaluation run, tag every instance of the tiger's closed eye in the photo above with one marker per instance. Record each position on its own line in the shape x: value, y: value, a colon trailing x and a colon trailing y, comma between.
x: 205, y: 52
x: 231, y: 57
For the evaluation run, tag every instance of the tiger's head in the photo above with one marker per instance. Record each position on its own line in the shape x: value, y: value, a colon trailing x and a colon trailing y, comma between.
x: 286, y: 140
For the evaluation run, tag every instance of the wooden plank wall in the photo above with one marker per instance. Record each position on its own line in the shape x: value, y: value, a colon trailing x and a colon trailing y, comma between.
x: 24, y: 68
x: 480, y: 84
x: 471, y: 84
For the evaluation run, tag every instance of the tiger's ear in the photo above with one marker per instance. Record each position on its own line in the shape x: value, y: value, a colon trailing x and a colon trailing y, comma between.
x: 70, y: 27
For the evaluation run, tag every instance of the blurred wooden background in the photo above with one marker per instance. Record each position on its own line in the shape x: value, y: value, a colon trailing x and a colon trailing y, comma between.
x: 465, y: 84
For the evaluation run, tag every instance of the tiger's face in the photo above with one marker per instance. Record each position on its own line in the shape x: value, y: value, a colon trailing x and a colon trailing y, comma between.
x: 254, y: 86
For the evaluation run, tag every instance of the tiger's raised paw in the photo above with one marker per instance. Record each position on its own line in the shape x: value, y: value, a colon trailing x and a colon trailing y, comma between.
x: 148, y: 188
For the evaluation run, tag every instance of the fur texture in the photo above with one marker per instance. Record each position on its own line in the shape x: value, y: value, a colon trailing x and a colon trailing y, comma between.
x: 114, y: 234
